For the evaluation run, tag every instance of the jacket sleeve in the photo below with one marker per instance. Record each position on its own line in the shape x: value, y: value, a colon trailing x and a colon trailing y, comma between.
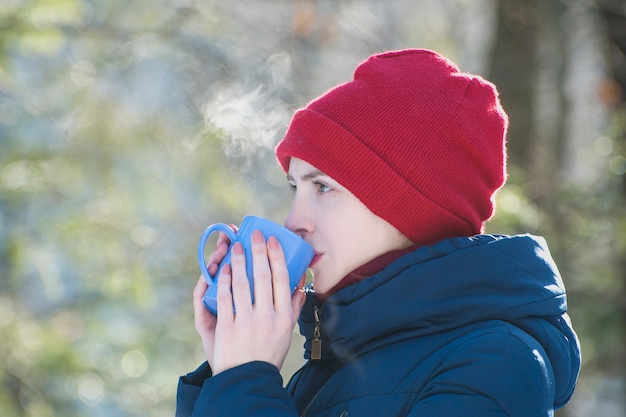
x: 495, y: 375
x: 253, y: 388
x: 189, y: 389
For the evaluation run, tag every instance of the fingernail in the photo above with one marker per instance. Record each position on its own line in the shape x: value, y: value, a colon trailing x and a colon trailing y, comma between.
x: 257, y: 236
x: 238, y: 249
x: 273, y: 243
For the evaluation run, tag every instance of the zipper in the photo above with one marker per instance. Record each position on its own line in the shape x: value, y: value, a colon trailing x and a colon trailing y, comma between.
x: 316, y: 354
x: 316, y: 343
x: 313, y: 399
x: 316, y: 351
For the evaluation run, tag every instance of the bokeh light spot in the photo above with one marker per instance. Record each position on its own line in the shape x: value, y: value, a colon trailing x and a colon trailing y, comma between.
x: 134, y: 363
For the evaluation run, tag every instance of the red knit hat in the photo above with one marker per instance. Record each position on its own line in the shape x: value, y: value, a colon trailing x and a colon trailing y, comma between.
x: 421, y: 144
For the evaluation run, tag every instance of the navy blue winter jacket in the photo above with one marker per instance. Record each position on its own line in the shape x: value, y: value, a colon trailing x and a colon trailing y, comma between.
x: 472, y: 326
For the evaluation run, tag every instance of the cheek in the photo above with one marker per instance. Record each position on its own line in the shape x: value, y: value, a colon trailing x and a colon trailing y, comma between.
x: 368, y: 240
x: 355, y: 247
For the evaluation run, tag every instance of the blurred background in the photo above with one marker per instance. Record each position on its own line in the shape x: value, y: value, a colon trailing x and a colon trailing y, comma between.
x: 127, y: 127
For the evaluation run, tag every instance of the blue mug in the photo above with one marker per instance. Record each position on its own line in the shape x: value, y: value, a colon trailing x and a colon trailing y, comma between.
x: 298, y: 253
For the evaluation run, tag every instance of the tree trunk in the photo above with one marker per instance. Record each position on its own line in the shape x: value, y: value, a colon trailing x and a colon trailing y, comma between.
x: 512, y: 69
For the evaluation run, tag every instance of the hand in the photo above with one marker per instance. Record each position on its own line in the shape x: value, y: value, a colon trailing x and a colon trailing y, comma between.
x: 255, y: 332
x: 205, y: 321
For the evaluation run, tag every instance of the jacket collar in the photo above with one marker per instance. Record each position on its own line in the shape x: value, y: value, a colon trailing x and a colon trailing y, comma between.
x: 453, y: 283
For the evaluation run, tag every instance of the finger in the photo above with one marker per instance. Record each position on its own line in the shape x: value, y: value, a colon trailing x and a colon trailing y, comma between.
x: 297, y: 302
x: 301, y: 283
x: 198, y: 293
x: 280, y: 275
x: 203, y: 319
x: 263, y: 296
x: 224, y: 296
x: 240, y: 286
x: 223, y: 238
x: 199, y: 289
x: 221, y: 249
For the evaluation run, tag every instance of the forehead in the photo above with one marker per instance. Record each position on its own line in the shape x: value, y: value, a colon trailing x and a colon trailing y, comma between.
x: 300, y: 169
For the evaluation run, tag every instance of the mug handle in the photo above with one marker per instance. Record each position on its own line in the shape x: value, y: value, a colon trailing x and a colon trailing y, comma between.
x: 205, y: 236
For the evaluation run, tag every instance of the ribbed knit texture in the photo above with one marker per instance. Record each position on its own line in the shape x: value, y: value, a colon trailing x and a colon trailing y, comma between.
x: 421, y: 144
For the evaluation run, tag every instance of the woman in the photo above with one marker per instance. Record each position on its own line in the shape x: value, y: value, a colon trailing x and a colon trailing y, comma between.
x: 412, y: 311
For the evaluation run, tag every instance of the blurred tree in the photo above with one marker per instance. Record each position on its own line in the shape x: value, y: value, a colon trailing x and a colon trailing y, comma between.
x: 513, y: 70
x: 107, y: 174
x: 535, y: 48
x: 613, y: 93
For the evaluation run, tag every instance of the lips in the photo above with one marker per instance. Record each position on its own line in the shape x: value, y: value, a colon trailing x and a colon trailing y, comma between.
x: 316, y: 258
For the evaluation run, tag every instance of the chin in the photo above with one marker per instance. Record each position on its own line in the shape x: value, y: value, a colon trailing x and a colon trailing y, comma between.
x: 318, y: 285
x: 321, y: 286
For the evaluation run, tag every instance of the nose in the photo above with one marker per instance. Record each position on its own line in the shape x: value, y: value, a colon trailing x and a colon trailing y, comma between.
x: 298, y: 221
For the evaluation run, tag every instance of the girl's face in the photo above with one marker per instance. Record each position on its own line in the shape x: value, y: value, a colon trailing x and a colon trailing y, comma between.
x: 343, y: 231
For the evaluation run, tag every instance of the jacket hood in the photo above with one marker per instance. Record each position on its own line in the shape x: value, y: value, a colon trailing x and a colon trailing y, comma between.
x: 454, y: 283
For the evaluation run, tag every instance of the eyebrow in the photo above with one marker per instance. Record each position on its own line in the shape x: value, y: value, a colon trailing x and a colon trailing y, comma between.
x: 309, y: 175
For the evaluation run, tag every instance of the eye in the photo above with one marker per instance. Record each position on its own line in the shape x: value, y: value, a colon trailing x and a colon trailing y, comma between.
x: 321, y: 187
x: 292, y: 187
